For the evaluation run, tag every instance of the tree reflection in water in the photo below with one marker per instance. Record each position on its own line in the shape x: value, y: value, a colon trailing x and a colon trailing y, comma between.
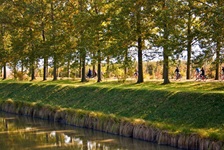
x: 21, y: 133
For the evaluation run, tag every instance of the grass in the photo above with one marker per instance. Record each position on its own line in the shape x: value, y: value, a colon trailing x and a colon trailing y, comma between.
x: 180, y: 107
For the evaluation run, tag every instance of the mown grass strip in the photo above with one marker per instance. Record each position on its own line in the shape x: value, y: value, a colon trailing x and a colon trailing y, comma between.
x: 183, y: 107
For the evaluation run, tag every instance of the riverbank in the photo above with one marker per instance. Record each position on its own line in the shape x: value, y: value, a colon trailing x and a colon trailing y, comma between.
x: 183, y: 112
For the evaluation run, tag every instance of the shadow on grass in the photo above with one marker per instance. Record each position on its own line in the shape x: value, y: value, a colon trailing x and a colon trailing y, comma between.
x: 150, y: 102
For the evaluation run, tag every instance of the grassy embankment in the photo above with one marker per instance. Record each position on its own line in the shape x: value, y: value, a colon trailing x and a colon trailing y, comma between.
x: 180, y: 107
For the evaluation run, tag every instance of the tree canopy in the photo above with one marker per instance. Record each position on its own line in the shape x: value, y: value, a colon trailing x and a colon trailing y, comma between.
x: 68, y: 33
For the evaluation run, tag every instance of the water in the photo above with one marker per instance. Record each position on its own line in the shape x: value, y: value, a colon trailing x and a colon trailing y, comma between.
x: 25, y: 133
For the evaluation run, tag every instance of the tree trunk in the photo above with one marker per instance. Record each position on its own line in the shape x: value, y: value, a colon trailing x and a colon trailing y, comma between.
x: 189, y: 48
x: 83, y: 71
x: 32, y: 72
x: 15, y: 70
x: 80, y: 67
x: 140, y: 66
x: 68, y: 68
x: 83, y: 79
x: 217, y: 61
x: 1, y: 73
x: 22, y: 68
x: 45, y: 69
x: 4, y: 72
x: 99, y: 74
x: 94, y: 64
x: 108, y: 67
x: 188, y: 61
x: 126, y: 63
x: 165, y: 67
x: 165, y: 54
x: 55, y: 76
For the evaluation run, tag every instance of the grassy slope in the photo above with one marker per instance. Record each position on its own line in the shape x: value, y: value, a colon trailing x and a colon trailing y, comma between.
x: 184, y: 106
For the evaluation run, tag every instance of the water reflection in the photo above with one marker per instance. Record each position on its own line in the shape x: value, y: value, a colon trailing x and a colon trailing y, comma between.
x: 25, y: 133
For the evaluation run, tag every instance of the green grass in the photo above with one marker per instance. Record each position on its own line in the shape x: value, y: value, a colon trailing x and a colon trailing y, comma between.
x: 178, y: 107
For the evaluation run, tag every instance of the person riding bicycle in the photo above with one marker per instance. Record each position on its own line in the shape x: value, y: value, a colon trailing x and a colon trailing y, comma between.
x: 223, y: 70
x: 222, y: 74
x: 197, y: 73
x: 89, y: 73
x: 202, y: 75
x: 177, y: 71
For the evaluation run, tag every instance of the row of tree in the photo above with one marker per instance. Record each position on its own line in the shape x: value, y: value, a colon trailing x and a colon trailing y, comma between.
x: 65, y: 32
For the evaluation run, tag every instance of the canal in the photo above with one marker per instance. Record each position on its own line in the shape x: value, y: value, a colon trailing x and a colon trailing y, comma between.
x: 26, y: 133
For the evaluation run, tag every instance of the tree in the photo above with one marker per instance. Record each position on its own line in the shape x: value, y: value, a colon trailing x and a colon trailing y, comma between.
x: 99, y: 32
x: 212, y: 16
x: 166, y: 20
x: 5, y: 37
x: 132, y: 18
x: 5, y: 49
x: 56, y: 36
x: 81, y: 25
x: 191, y: 27
x: 43, y: 47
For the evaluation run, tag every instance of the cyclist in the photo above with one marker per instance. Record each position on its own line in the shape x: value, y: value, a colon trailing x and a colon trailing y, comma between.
x: 177, y: 71
x: 202, y: 75
x: 197, y: 73
x: 89, y: 73
x: 136, y: 73
x: 222, y: 74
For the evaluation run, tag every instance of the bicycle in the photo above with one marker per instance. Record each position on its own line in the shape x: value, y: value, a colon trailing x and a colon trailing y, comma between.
x: 197, y: 76
x: 178, y: 76
x: 202, y: 77
x: 222, y: 77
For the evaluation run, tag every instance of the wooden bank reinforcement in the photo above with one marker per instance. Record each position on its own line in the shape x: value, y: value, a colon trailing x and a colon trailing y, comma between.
x: 137, y: 129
